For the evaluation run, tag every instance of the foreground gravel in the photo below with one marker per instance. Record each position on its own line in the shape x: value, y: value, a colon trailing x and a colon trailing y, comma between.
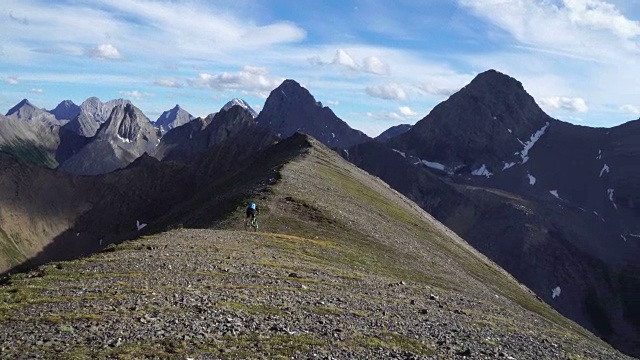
x: 209, y: 294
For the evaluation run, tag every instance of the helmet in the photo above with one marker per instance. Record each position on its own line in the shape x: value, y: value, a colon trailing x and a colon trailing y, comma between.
x: 253, y: 206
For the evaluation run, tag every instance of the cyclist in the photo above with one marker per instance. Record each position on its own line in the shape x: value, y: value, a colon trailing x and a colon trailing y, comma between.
x: 252, y: 212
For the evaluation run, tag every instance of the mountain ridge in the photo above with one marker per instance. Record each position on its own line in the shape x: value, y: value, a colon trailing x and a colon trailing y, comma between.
x: 321, y: 266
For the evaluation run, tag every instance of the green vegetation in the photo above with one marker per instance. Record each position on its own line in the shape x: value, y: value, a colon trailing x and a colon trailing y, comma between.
x: 29, y: 152
x: 10, y: 250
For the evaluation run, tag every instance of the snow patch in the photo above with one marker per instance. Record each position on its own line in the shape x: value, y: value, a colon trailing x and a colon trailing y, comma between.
x: 433, y: 165
x: 555, y: 193
x: 333, y: 135
x: 139, y: 225
x: 282, y: 91
x: 623, y: 237
x: 598, y: 215
x: 606, y: 169
x: 510, y: 132
x: 599, y: 155
x: 400, y: 152
x: 634, y: 235
x: 124, y: 140
x: 529, y: 144
x: 610, y: 192
x: 508, y: 166
x: 346, y: 152
x: 556, y: 292
x: 482, y: 171
x: 532, y: 180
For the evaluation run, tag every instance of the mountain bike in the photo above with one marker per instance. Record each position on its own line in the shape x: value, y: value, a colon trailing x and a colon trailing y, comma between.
x: 251, y: 224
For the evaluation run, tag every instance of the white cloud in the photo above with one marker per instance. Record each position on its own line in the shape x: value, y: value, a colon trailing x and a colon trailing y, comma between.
x: 342, y: 58
x: 406, y: 111
x: 386, y: 116
x: 104, y: 52
x: 630, y: 109
x: 584, y: 29
x: 172, y: 83
x: 387, y: 91
x: 333, y: 102
x: 434, y: 89
x: 599, y: 14
x: 374, y: 65
x: 12, y: 80
x: 565, y: 103
x: 37, y: 91
x: 250, y: 78
x: 135, y: 94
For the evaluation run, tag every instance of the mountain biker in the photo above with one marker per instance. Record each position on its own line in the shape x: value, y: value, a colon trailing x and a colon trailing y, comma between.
x: 252, y: 212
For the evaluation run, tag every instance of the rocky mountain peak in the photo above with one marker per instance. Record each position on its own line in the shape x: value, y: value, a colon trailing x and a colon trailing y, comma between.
x: 23, y: 105
x: 492, y: 121
x: 26, y: 111
x: 172, y: 118
x: 66, y: 110
x: 101, y: 111
x: 242, y: 103
x: 291, y: 108
x: 126, y: 122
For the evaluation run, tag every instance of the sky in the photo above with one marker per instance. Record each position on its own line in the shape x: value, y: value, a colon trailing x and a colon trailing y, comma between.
x: 376, y: 64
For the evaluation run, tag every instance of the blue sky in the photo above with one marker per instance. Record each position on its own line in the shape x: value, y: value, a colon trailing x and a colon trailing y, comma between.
x: 375, y: 63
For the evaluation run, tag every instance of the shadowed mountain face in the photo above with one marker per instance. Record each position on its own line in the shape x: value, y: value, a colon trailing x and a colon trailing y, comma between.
x: 66, y: 110
x: 291, y: 108
x: 181, y: 144
x: 123, y: 138
x: 553, y: 203
x: 339, y: 251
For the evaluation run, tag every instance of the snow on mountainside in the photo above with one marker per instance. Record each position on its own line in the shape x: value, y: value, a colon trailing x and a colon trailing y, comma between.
x: 551, y: 202
x: 173, y: 118
x: 241, y: 103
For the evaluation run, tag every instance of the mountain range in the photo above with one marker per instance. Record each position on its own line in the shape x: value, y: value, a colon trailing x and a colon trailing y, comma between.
x: 554, y: 204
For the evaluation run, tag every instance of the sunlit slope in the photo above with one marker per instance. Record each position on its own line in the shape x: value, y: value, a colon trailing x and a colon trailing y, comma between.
x: 343, y: 266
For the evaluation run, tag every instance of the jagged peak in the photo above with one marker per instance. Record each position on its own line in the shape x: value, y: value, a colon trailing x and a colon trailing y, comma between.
x: 22, y: 104
x: 242, y: 103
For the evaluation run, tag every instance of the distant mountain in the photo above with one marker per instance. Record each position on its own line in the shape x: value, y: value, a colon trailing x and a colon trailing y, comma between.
x: 393, y: 132
x: 184, y: 142
x: 241, y: 103
x: 26, y: 111
x: 557, y: 205
x: 173, y: 118
x: 493, y: 116
x: 291, y: 108
x: 99, y: 110
x: 124, y: 137
x: 92, y: 113
x: 66, y: 110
